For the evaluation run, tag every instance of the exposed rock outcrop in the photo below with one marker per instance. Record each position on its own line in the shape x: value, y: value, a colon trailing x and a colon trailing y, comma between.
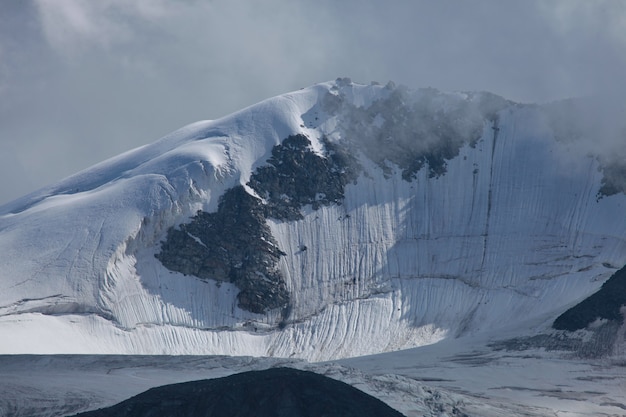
x: 236, y: 245
x: 295, y: 176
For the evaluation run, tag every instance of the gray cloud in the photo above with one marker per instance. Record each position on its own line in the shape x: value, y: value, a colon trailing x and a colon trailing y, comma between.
x: 81, y: 81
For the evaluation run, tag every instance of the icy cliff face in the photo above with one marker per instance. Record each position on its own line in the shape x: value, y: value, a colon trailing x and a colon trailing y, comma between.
x: 335, y: 221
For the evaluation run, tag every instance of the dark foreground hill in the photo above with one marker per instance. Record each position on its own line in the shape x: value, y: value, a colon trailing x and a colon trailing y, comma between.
x: 273, y: 392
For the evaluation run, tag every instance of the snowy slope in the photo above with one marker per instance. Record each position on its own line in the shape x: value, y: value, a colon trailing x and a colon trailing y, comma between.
x: 509, y: 236
x: 439, y: 380
x: 60, y: 385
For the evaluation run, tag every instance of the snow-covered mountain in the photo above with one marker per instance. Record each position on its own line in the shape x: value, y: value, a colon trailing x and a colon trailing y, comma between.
x: 336, y: 221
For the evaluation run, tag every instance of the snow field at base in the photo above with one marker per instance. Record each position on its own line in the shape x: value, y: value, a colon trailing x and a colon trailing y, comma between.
x: 453, y: 377
x: 480, y: 381
x: 511, y: 231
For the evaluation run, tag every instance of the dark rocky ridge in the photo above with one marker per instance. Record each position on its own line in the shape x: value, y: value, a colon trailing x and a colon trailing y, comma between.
x: 295, y: 176
x: 605, y: 304
x: 601, y: 315
x: 271, y: 393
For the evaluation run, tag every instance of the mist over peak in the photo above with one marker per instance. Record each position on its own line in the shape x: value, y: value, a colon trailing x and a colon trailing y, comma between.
x: 595, y: 126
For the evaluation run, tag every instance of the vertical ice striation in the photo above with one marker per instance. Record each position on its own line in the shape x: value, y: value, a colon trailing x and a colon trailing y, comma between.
x: 335, y: 221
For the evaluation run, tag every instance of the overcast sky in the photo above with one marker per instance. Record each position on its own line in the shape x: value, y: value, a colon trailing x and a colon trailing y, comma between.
x: 84, y: 80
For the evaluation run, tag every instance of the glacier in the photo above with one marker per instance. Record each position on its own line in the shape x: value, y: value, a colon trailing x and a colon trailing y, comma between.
x: 499, y: 231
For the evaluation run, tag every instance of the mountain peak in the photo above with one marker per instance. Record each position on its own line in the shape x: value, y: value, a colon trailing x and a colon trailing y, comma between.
x: 338, y: 220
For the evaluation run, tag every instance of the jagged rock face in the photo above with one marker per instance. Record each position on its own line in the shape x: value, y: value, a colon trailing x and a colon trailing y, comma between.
x: 233, y: 244
x: 236, y: 245
x: 296, y: 176
x: 273, y: 392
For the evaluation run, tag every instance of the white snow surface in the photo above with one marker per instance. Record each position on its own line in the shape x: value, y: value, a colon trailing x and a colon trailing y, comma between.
x: 441, y: 380
x: 512, y: 233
